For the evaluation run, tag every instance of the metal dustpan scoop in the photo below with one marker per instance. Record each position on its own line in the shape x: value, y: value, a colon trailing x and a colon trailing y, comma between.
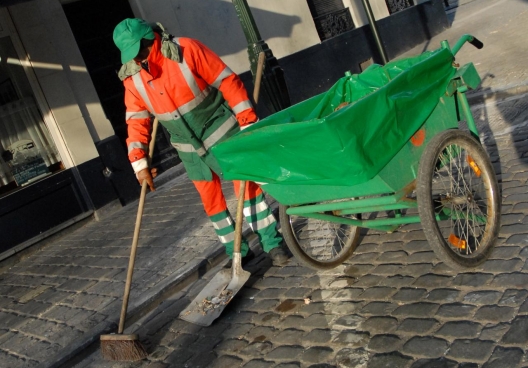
x: 214, y: 297
x: 211, y: 301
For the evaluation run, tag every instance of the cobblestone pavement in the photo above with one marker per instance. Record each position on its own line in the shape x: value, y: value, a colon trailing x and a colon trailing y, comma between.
x: 393, y: 304
x: 71, y: 291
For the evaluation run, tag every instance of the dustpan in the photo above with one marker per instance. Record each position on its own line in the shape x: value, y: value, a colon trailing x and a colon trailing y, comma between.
x: 212, y: 300
x: 214, y: 297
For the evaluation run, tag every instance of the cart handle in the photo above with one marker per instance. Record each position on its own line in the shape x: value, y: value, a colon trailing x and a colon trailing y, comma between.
x: 467, y: 38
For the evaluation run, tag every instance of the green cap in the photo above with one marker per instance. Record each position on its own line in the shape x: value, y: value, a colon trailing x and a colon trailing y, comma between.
x: 127, y: 37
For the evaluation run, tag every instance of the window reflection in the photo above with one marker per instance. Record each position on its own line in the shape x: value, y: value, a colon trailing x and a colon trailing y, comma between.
x: 27, y: 150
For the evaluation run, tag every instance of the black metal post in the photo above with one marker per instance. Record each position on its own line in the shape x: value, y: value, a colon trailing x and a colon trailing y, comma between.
x: 273, y: 82
x: 374, y: 28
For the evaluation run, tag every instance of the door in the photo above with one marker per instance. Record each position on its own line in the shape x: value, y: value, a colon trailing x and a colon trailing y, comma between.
x: 28, y: 151
x: 39, y: 192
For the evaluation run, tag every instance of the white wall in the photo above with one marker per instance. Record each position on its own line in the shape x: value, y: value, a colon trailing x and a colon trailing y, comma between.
x: 359, y: 16
x: 286, y: 26
x: 62, y: 76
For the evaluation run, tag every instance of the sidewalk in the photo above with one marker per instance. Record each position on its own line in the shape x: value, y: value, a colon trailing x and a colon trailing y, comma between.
x: 62, y: 298
x: 58, y: 301
x: 501, y: 26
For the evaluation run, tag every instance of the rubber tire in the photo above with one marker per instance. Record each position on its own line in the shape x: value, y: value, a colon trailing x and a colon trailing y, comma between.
x: 302, y: 256
x: 426, y: 204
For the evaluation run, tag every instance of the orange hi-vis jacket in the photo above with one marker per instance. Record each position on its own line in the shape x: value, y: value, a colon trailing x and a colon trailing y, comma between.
x: 195, y: 96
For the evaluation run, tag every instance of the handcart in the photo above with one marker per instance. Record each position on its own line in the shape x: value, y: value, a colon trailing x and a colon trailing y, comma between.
x: 379, y: 150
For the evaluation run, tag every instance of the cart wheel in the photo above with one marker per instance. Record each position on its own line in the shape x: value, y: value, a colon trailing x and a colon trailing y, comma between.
x: 318, y: 244
x: 458, y: 199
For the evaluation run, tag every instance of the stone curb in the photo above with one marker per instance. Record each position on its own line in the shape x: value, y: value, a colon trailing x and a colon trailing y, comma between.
x: 192, y: 271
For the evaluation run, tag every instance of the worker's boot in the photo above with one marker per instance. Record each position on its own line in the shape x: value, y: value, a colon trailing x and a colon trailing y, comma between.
x: 279, y: 256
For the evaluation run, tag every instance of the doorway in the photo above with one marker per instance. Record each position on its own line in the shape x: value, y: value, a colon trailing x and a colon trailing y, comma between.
x: 92, y: 23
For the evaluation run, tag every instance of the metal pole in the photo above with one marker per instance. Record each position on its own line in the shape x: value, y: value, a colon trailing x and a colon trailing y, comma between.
x: 374, y: 28
x: 273, y: 82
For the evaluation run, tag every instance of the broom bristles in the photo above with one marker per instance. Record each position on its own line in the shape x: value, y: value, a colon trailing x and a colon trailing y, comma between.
x: 128, y: 350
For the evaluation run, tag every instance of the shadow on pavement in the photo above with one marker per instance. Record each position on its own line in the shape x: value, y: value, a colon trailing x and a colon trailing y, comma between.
x: 498, y: 115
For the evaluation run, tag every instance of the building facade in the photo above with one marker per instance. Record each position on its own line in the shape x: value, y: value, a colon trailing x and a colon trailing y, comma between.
x: 62, y: 126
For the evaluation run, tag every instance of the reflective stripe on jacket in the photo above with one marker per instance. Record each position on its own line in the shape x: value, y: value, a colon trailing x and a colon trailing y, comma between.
x: 199, y: 100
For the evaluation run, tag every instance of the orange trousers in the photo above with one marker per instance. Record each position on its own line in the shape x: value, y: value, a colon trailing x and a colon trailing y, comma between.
x: 213, y: 198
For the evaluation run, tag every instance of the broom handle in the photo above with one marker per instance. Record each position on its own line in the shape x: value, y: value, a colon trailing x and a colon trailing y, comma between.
x: 242, y: 188
x: 133, y: 249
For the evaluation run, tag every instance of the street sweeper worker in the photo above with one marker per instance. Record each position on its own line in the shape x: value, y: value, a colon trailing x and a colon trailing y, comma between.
x: 200, y: 102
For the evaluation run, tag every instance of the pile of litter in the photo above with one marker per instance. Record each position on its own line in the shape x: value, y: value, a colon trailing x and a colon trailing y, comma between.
x: 211, y: 303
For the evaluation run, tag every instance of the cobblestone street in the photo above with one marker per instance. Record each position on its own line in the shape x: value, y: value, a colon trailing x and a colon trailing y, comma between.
x: 57, y: 298
x: 393, y: 304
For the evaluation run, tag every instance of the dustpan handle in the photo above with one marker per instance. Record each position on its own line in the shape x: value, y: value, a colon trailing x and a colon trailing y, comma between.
x: 242, y: 189
x: 239, y: 217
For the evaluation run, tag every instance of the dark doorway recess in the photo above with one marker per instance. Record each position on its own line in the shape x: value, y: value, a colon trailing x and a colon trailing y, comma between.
x: 92, y: 23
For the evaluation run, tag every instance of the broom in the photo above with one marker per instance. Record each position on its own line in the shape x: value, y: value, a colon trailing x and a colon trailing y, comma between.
x: 128, y: 347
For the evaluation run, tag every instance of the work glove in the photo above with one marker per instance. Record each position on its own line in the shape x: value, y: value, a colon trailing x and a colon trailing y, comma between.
x: 248, y: 125
x: 148, y: 175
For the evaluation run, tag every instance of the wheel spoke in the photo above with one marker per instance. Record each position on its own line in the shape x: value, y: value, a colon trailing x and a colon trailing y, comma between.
x: 458, y: 199
x: 459, y: 193
x: 321, y: 240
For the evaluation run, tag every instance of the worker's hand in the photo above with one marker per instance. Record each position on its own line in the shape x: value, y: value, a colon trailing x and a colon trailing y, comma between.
x: 247, y: 125
x: 148, y: 175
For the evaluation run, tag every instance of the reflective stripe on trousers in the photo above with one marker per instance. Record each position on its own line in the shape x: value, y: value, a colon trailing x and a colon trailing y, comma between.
x: 256, y: 211
x: 225, y: 230
x: 261, y: 220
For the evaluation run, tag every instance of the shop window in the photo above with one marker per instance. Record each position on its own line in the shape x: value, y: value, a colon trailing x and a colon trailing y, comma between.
x: 331, y: 18
x: 397, y: 5
x: 27, y: 150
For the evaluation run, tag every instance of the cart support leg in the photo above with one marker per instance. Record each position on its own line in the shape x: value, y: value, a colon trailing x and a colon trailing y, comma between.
x: 462, y: 99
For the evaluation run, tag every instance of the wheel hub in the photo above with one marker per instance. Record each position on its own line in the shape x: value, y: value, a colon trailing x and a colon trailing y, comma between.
x: 457, y: 200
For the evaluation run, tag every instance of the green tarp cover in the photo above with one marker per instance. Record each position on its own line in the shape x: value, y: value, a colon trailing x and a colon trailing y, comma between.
x: 310, y: 143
